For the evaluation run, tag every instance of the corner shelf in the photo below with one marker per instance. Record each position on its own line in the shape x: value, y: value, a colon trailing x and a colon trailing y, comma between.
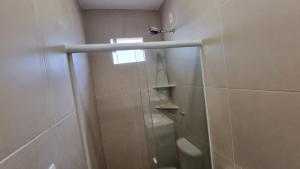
x: 168, y: 106
x: 164, y: 86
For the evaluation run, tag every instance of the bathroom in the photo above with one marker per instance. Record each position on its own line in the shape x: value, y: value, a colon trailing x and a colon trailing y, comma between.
x: 139, y: 84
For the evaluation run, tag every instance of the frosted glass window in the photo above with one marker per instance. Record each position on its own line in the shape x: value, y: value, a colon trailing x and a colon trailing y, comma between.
x: 128, y: 56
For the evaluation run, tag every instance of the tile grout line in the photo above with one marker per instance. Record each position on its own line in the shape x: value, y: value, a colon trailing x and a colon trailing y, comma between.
x: 262, y: 90
x: 35, y: 139
x: 99, y: 96
x: 229, y: 114
x: 204, y: 87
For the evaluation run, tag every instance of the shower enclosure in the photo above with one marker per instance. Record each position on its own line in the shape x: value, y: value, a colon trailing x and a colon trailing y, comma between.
x: 176, y: 106
x: 170, y: 99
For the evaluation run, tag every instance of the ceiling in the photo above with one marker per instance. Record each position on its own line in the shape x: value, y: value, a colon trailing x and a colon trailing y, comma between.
x: 121, y: 4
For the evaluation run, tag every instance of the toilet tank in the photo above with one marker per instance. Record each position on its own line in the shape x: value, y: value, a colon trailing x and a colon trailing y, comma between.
x: 190, y: 156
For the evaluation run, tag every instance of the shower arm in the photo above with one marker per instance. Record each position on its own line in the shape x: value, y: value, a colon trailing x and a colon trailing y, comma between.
x: 168, y: 31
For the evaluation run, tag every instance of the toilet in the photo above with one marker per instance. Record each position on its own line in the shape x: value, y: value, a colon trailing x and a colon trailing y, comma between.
x: 190, y: 156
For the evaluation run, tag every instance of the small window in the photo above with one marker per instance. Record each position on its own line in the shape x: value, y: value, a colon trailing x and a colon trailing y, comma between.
x: 128, y: 56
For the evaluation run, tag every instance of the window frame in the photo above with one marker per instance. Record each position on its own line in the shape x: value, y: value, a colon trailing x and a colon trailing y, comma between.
x: 128, y: 56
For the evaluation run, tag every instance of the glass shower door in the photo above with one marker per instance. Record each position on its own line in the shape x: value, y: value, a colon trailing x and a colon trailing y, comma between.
x: 175, y: 117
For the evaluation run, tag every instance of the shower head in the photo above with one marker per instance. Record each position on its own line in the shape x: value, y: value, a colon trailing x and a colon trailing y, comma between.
x: 155, y: 31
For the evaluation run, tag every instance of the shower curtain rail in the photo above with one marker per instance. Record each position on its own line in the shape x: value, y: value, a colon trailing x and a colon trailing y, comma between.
x: 130, y: 46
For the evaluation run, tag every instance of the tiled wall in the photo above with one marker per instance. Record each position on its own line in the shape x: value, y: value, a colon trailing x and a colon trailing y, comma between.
x: 121, y: 90
x: 251, y: 66
x: 38, y: 124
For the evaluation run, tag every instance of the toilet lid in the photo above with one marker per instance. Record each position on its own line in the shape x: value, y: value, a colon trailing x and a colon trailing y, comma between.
x: 188, y: 148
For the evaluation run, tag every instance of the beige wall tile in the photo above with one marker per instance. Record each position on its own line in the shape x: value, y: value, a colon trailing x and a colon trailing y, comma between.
x: 35, y: 86
x: 185, y: 14
x: 212, y: 51
x: 122, y: 125
x: 36, y: 155
x: 105, y: 77
x: 23, y: 81
x: 261, y: 48
x: 110, y: 78
x: 113, y: 78
x: 222, y: 163
x: 59, y: 145
x: 119, y: 24
x: 223, y: 2
x: 264, y: 127
x: 184, y: 66
x: 198, y: 25
x: 193, y: 125
x: 68, y: 30
x: 60, y: 22
x: 220, y: 122
x: 89, y: 113
x: 155, y: 61
x: 196, y: 128
x: 54, y: 33
x: 69, y: 144
x: 75, y: 12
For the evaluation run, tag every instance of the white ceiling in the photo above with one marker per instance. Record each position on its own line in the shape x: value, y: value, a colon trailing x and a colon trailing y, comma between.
x: 121, y: 4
